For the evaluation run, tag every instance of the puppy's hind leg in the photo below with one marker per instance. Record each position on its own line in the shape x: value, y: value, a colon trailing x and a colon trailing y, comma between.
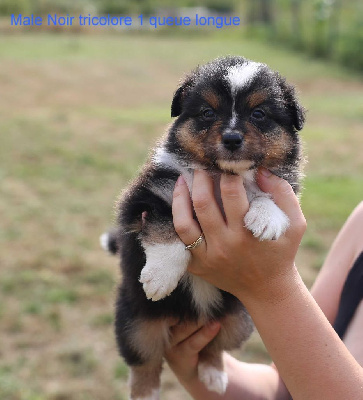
x: 145, y: 381
x: 235, y: 329
x: 142, y: 343
x: 211, y: 371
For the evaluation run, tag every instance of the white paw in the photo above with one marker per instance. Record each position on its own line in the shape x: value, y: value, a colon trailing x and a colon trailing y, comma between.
x: 165, y: 265
x: 214, y: 379
x: 265, y: 220
x: 158, y: 283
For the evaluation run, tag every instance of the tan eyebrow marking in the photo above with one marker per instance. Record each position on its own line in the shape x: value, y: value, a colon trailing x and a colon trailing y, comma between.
x: 256, y: 99
x: 211, y: 98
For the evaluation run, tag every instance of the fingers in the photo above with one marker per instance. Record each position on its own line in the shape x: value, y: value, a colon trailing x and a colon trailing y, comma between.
x: 205, y: 205
x: 206, y: 208
x: 200, y: 339
x: 235, y: 202
x: 185, y: 225
x: 186, y: 344
x: 191, y: 340
x: 181, y: 332
x: 284, y: 196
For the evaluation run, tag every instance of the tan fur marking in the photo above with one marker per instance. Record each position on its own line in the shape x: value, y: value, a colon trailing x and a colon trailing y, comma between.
x: 235, y: 329
x: 214, y: 359
x: 191, y: 143
x: 253, y: 143
x: 211, y: 98
x: 255, y: 99
x: 149, y: 339
x: 144, y: 380
x: 214, y: 138
x: 276, y: 149
x: 237, y: 167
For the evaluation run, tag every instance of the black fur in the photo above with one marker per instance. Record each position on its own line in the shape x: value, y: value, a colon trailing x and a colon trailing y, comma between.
x: 132, y: 303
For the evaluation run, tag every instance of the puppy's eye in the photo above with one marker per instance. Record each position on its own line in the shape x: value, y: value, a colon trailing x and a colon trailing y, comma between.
x: 208, y: 114
x: 258, y: 114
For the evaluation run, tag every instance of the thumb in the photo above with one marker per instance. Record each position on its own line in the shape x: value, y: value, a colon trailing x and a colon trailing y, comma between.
x: 280, y: 190
x: 282, y: 194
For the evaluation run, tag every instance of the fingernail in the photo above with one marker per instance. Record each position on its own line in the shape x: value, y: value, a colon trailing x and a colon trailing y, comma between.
x: 180, y: 181
x: 265, y: 172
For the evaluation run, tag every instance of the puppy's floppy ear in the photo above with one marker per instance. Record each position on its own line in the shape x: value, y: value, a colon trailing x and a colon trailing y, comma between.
x: 180, y: 94
x: 296, y: 110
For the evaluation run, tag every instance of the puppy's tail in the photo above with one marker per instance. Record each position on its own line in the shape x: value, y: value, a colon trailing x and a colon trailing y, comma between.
x: 110, y: 241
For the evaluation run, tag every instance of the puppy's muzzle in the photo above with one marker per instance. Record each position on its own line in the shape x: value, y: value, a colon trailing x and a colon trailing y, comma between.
x: 232, y: 140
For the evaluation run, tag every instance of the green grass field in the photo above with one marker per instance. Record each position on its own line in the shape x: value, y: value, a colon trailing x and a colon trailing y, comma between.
x: 78, y: 115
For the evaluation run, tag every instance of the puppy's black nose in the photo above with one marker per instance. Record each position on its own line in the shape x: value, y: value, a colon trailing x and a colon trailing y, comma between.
x: 232, y: 140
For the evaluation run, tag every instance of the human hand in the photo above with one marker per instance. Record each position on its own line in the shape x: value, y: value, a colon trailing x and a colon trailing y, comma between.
x: 231, y: 258
x: 187, y: 340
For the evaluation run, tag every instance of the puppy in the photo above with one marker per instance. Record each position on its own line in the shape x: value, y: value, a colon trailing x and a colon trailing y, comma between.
x: 233, y: 116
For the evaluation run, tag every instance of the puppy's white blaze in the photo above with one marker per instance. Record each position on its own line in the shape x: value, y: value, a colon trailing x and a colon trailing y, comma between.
x: 239, y: 75
x: 233, y: 121
x: 154, y: 395
x: 165, y: 265
x: 205, y: 296
x: 213, y: 378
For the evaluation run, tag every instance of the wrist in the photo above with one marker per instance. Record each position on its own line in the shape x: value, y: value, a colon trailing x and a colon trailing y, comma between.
x: 272, y: 291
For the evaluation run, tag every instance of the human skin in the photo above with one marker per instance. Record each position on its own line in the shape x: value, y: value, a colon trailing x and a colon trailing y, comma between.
x: 310, y: 358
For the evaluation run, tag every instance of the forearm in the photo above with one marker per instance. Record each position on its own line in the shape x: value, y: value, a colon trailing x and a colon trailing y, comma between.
x: 245, y: 381
x: 310, y: 357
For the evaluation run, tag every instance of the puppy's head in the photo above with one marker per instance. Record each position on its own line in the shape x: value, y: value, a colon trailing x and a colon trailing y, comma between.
x: 235, y: 114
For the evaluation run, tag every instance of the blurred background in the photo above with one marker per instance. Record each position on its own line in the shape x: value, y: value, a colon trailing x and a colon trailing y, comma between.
x: 80, y: 108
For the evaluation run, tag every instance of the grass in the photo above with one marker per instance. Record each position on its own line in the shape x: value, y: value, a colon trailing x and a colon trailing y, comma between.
x: 78, y: 115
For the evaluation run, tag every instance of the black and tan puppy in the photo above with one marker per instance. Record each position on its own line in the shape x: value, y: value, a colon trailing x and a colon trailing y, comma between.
x: 233, y: 116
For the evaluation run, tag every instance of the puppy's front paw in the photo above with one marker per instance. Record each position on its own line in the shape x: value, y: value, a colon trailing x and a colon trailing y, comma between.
x: 158, y: 283
x: 265, y: 220
x: 214, y: 379
x: 165, y: 265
